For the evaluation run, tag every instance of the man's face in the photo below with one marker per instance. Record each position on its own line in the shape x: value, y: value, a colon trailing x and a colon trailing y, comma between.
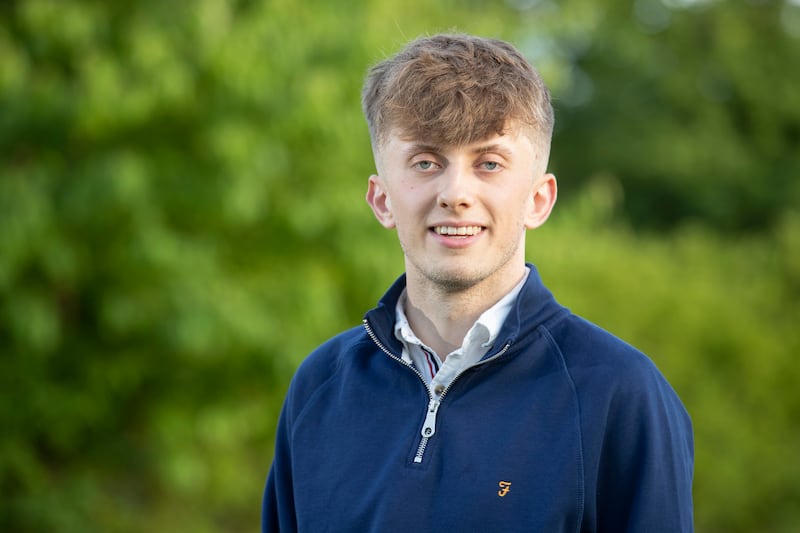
x: 461, y: 211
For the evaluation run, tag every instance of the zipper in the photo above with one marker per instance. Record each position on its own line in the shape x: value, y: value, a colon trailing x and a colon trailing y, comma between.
x: 429, y: 427
x: 388, y: 352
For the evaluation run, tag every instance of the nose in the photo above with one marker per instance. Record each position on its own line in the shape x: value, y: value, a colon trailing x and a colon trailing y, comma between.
x: 456, y: 188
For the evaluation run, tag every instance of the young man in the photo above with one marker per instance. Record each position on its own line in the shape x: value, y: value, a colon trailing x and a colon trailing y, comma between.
x: 469, y: 399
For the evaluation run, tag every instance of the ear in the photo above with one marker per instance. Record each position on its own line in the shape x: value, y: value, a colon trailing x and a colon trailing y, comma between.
x: 542, y: 202
x: 379, y: 201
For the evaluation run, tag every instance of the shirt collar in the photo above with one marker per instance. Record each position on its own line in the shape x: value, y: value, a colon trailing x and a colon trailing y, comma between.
x: 492, y: 319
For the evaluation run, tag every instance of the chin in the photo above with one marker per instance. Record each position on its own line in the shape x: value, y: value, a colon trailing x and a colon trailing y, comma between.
x: 455, y: 279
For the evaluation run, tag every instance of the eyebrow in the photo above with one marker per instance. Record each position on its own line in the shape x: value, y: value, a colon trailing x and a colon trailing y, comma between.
x: 498, y: 148
x: 432, y: 148
x: 423, y: 147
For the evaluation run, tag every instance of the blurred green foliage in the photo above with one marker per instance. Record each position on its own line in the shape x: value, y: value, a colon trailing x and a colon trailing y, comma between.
x: 181, y: 221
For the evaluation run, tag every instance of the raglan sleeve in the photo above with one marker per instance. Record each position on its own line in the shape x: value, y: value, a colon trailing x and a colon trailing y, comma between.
x: 647, y: 461
x: 278, y: 507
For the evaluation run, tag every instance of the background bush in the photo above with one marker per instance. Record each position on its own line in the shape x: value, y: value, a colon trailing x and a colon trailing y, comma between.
x: 181, y: 221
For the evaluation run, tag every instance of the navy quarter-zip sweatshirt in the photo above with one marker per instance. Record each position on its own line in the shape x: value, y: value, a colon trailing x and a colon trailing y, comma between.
x: 560, y: 427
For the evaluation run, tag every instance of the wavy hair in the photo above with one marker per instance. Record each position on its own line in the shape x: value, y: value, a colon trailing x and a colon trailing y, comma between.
x: 455, y: 89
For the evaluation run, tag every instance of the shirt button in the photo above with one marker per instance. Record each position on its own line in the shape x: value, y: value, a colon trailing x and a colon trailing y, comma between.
x: 438, y: 389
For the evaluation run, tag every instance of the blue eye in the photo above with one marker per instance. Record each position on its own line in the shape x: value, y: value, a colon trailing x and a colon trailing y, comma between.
x: 425, y: 165
x: 490, y: 165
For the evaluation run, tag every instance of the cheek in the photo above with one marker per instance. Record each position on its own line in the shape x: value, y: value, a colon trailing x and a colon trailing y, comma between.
x: 405, y: 202
x: 516, y: 208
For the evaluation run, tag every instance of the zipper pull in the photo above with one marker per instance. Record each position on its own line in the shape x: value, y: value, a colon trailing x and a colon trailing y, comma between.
x: 429, y: 428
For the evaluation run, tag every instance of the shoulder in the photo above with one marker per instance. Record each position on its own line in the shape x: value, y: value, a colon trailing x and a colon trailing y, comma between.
x: 586, y: 346
x: 608, y: 372
x: 324, y: 363
x: 326, y: 358
x: 621, y: 391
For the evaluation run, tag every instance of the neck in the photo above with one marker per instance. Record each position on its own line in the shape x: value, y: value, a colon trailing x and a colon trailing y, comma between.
x: 441, y: 316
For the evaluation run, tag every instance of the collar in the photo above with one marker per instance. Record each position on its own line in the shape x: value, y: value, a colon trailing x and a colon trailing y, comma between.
x: 482, y: 333
x: 533, y: 306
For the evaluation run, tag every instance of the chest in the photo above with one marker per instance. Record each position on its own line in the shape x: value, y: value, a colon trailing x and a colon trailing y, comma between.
x: 505, y: 455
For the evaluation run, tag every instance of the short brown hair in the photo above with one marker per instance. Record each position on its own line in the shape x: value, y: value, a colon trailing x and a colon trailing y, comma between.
x: 455, y: 89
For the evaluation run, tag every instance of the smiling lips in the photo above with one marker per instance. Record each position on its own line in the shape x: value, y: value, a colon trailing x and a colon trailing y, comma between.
x: 460, y: 231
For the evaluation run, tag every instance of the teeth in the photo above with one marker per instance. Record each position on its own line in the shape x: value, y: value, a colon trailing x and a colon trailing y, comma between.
x: 461, y: 230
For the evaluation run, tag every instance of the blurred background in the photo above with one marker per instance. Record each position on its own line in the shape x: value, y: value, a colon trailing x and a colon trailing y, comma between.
x: 182, y: 220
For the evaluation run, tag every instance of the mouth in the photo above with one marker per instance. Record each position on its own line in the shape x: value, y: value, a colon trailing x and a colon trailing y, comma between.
x: 457, y: 231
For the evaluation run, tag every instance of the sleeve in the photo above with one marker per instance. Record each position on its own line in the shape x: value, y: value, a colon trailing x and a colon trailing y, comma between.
x: 647, y: 461
x: 278, y: 509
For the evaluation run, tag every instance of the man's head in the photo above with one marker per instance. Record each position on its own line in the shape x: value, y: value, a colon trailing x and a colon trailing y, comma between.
x: 452, y: 90
x: 460, y: 130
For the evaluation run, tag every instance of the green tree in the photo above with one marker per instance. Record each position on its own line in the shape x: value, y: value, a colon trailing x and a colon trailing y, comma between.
x: 690, y: 105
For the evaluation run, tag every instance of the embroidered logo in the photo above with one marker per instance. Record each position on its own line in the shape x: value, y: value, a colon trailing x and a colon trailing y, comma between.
x: 505, y: 486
